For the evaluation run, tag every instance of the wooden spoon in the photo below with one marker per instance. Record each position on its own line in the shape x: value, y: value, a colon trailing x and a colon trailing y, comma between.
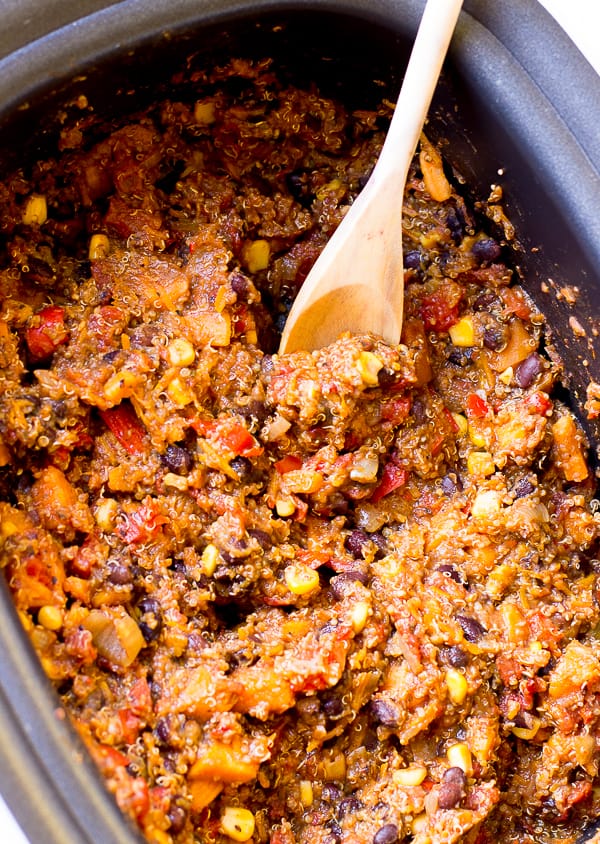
x: 357, y: 283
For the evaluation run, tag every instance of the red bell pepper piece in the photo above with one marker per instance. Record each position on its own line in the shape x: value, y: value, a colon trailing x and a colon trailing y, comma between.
x: 396, y: 410
x: 476, y: 406
x: 51, y: 332
x: 126, y: 427
x: 288, y: 464
x: 392, y: 477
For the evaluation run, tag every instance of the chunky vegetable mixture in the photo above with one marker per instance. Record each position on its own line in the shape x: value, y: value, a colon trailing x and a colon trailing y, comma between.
x: 339, y: 597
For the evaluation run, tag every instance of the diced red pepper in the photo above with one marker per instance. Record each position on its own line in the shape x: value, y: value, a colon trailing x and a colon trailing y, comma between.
x: 396, y: 410
x: 516, y: 302
x: 229, y: 435
x: 143, y: 524
x: 477, y: 407
x: 126, y: 427
x: 538, y: 402
x: 44, y: 338
x: 288, y: 463
x: 439, y: 311
x: 451, y: 421
x: 392, y: 477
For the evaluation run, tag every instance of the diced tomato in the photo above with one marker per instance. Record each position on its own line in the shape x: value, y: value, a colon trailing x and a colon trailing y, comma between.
x: 396, y: 410
x: 439, y: 310
x: 229, y: 435
x: 129, y: 725
x: 288, y: 464
x: 538, y: 402
x: 126, y: 427
x: 51, y: 332
x: 238, y: 439
x: 314, y: 559
x: 477, y: 407
x: 516, y: 302
x: 451, y: 421
x: 393, y: 477
x: 142, y: 524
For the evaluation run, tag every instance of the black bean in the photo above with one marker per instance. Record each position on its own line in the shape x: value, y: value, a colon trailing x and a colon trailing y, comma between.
x: 341, y: 583
x: 356, y: 543
x: 527, y: 371
x: 460, y: 356
x: 387, y: 834
x: 239, y: 284
x: 495, y: 338
x: 332, y: 706
x: 455, y: 222
x: 349, y: 805
x: 242, y: 467
x: 452, y: 788
x: 150, y: 622
x: 386, y: 378
x: 486, y: 249
x: 523, y: 487
x: 262, y: 537
x: 384, y: 712
x: 177, y: 816
x: 163, y: 730
x: 331, y: 792
x: 485, y: 301
x: 473, y: 630
x: 450, y: 572
x: 118, y: 573
x: 454, y: 655
x: 450, y: 484
x: 419, y: 411
x: 177, y: 459
x: 412, y: 259
x: 524, y: 720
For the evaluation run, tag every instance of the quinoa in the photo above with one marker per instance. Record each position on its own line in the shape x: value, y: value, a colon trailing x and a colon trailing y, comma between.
x: 337, y: 597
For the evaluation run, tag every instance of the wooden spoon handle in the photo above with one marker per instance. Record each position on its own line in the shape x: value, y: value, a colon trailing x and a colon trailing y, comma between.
x: 357, y: 283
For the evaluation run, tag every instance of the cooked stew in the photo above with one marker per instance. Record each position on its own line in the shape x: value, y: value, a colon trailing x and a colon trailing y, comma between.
x: 336, y: 597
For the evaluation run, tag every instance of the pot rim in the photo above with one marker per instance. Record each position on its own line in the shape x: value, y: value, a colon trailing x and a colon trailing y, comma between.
x: 40, y: 754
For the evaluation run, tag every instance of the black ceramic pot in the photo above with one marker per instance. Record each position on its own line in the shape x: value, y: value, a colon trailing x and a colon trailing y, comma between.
x: 519, y: 107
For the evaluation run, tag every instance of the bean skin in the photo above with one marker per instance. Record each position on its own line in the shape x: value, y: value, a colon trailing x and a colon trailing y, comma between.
x: 387, y: 834
x: 452, y: 788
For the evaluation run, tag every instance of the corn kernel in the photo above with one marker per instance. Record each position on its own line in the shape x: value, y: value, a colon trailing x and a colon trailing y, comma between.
x: 334, y: 767
x: 210, y: 558
x: 35, y: 212
x: 301, y: 579
x: 459, y: 756
x: 256, y: 255
x: 480, y: 463
x: 5, y: 456
x: 487, y: 505
x: 331, y: 187
x: 106, y: 513
x: 457, y: 686
x: 238, y: 823
x: 506, y: 376
x: 99, y: 247
x: 306, y: 793
x: 179, y: 393
x: 50, y: 617
x: 175, y: 481
x: 368, y: 366
x: 476, y: 436
x: 306, y: 481
x: 462, y: 333
x: 285, y: 507
x: 461, y: 422
x: 527, y: 733
x: 204, y: 112
x: 251, y: 336
x: 359, y: 615
x: 419, y: 823
x: 180, y: 352
x: 8, y: 528
x: 413, y: 775
x: 121, y: 385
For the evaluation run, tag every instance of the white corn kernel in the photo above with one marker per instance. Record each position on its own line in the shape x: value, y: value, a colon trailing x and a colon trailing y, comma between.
x: 106, y: 513
x: 459, y: 756
x: 285, y: 507
x: 413, y: 775
x: 50, y: 617
x: 306, y: 793
x: 35, y: 212
x: 210, y: 558
x: 457, y: 686
x: 368, y: 366
x: 359, y: 615
x: 180, y: 352
x: 99, y: 247
x: 301, y: 579
x: 238, y: 823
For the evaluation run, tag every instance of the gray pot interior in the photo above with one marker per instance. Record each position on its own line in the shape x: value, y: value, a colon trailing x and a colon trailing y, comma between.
x: 510, y: 115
